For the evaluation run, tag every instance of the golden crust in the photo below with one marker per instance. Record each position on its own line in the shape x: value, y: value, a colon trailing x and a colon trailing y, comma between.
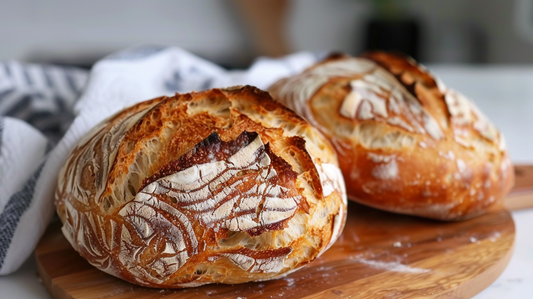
x: 219, y: 186
x: 407, y: 143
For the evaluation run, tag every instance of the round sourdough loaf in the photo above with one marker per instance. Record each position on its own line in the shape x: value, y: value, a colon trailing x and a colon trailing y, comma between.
x: 219, y: 186
x: 406, y: 143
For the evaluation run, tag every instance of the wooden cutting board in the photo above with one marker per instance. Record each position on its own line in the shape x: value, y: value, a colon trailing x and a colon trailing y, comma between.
x: 379, y: 255
x: 521, y: 197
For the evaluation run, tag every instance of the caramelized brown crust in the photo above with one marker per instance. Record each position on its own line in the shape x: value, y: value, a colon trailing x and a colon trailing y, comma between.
x: 407, y: 143
x: 222, y: 186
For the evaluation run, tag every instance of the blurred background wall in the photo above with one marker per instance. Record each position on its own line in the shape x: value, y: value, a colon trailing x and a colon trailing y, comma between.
x: 80, y: 32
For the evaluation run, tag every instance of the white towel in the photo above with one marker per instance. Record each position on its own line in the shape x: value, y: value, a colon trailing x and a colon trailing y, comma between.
x: 46, y: 100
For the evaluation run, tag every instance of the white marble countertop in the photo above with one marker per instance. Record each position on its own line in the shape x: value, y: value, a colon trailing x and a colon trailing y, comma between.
x: 505, y: 94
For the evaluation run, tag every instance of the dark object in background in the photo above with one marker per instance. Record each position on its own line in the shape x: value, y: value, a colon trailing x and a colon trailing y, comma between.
x: 398, y: 35
x: 460, y: 42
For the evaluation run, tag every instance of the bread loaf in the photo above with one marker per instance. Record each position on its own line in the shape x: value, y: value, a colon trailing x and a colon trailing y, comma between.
x: 407, y: 143
x: 219, y: 186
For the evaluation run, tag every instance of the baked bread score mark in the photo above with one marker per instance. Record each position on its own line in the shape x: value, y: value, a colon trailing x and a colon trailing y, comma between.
x: 253, y: 261
x: 238, y: 186
x: 378, y: 95
x: 465, y: 118
x: 297, y: 90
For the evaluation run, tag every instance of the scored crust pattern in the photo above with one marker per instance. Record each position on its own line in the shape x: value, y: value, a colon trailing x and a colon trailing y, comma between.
x: 196, y: 190
x: 219, y: 208
x: 374, y: 97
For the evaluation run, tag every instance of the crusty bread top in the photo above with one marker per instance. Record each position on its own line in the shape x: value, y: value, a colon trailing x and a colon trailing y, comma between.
x: 395, y: 90
x: 224, y: 185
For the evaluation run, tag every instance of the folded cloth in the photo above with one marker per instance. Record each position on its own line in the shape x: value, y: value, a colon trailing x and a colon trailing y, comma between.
x: 38, y: 103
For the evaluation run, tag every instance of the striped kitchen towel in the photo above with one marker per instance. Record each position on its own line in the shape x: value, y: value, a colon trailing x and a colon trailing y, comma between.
x: 45, y: 110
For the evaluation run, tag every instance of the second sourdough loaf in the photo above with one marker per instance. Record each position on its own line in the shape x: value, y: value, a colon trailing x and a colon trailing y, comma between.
x: 406, y: 142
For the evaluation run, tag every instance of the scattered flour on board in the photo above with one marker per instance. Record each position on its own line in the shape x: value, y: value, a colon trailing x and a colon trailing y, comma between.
x: 390, y: 266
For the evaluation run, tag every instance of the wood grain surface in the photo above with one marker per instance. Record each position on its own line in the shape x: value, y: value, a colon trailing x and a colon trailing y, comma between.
x: 521, y: 197
x: 379, y: 255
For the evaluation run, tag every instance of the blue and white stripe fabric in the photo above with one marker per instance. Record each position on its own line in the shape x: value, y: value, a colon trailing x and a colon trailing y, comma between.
x: 45, y: 110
